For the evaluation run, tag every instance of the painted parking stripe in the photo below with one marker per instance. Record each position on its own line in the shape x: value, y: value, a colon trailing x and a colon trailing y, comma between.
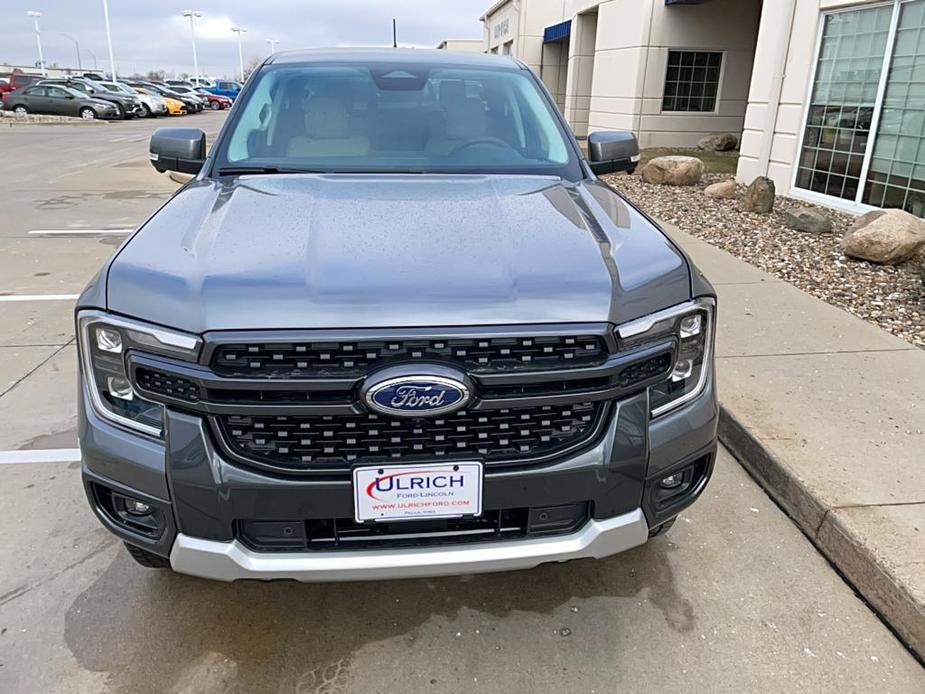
x: 47, y: 455
x: 80, y: 232
x: 38, y: 297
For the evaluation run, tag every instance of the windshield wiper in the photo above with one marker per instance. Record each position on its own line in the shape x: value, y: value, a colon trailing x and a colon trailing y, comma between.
x: 247, y: 170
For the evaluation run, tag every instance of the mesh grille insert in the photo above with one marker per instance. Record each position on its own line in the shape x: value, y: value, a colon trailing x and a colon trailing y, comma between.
x: 168, y: 385
x: 331, y: 442
x: 477, y: 355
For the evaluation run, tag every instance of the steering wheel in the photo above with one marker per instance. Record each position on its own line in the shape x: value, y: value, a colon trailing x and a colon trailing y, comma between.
x: 486, y: 140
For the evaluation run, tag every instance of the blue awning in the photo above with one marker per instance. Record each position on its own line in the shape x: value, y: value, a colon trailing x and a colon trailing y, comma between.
x: 557, y: 32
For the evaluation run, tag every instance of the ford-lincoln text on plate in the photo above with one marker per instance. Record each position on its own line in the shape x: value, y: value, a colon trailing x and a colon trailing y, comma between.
x: 394, y: 326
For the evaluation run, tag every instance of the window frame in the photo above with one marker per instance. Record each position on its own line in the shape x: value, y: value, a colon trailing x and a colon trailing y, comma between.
x: 723, y: 55
x: 853, y: 206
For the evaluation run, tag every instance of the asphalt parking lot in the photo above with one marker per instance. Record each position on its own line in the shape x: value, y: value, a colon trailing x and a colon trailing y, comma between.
x: 733, y: 599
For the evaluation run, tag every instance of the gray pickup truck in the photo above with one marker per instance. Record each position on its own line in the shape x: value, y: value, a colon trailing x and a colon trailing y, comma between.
x: 394, y: 326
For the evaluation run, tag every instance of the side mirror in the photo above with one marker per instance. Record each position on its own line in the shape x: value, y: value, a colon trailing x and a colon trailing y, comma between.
x: 178, y: 149
x: 610, y: 151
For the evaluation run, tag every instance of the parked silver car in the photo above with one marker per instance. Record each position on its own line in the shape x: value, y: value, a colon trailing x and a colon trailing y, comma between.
x: 152, y: 104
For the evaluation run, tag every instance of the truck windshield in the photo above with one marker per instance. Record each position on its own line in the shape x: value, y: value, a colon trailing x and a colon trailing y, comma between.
x: 401, y: 118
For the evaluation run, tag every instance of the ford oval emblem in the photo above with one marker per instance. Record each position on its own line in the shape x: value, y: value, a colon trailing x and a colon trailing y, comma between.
x: 417, y: 396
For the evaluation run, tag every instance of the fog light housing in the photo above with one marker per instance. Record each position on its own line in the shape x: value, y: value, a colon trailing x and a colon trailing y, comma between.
x: 672, y: 481
x: 137, y: 508
x: 129, y: 513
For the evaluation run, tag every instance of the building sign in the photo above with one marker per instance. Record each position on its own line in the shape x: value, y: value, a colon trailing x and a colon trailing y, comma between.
x: 502, y: 28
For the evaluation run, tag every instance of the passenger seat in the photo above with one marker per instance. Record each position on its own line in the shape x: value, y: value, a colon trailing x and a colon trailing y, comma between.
x: 327, y: 132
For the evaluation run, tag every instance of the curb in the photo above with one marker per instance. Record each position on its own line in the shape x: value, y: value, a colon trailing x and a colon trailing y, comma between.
x: 854, y: 559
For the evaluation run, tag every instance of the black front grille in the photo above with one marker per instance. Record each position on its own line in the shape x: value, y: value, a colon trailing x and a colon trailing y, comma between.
x: 355, y: 358
x: 328, y: 442
x: 168, y: 385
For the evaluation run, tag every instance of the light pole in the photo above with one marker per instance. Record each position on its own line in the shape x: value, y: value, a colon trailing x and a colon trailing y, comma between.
x: 192, y: 14
x: 80, y: 67
x: 239, y: 31
x: 92, y: 55
x: 272, y: 43
x: 112, y: 61
x: 38, y: 38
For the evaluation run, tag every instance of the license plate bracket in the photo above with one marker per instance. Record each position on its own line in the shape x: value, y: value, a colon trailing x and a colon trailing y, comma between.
x: 416, y: 492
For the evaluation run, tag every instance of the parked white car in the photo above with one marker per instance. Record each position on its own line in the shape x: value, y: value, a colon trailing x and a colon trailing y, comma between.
x: 153, y: 104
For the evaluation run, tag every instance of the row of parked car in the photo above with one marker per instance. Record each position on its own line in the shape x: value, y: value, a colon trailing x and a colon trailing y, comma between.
x: 91, y: 96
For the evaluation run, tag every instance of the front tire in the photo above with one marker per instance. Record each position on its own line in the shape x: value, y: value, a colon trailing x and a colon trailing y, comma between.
x: 662, y: 529
x: 21, y: 110
x: 215, y: 106
x: 87, y: 113
x: 147, y: 111
x: 147, y: 559
x: 120, y: 112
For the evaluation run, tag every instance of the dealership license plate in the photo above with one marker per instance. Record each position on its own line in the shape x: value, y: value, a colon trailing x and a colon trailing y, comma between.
x: 408, y: 492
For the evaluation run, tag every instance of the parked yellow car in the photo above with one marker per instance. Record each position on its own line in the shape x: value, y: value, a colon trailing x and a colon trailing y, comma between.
x: 175, y: 107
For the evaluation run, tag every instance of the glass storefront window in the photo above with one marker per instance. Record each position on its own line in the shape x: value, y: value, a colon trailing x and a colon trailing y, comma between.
x: 843, y: 100
x: 897, y: 169
x: 844, y: 107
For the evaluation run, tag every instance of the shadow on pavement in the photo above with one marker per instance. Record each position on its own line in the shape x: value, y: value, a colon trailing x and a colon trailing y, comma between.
x: 158, y: 631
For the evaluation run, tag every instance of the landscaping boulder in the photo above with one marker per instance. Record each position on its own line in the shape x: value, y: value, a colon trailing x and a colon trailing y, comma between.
x: 888, y: 238
x: 673, y: 171
x: 718, y: 143
x: 865, y: 219
x: 808, y: 220
x: 724, y: 190
x: 759, y: 197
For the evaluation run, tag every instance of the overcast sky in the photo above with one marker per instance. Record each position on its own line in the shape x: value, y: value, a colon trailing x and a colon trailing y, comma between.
x: 151, y: 34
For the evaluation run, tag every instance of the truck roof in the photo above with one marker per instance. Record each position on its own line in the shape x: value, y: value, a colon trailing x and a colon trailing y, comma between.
x: 393, y: 55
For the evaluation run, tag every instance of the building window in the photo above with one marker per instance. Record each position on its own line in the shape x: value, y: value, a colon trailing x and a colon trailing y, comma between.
x: 896, y: 176
x: 864, y: 139
x: 692, y: 81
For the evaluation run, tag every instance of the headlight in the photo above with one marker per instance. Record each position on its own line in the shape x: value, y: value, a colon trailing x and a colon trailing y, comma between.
x: 692, y: 325
x: 105, y: 343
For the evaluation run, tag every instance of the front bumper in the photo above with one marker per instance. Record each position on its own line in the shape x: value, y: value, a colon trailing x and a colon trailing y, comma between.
x: 230, y: 561
x: 202, y: 496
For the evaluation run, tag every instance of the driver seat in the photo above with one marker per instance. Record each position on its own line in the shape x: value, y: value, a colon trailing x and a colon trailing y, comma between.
x: 327, y: 132
x: 465, y: 120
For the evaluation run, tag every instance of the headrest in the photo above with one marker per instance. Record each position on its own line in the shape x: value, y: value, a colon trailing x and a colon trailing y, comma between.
x: 465, y: 120
x: 451, y: 91
x: 326, y: 119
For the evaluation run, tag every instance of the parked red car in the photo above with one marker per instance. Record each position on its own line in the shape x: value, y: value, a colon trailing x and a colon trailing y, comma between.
x: 216, y: 101
x: 17, y: 80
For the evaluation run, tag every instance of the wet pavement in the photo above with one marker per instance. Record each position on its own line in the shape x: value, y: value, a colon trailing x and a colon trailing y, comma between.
x: 734, y: 598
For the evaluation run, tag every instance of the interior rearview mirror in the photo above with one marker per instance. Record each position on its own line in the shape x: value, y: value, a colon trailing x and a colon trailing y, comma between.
x: 610, y: 151
x: 178, y: 149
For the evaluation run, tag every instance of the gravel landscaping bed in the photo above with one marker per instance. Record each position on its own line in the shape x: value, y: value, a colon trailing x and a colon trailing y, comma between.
x: 891, y: 297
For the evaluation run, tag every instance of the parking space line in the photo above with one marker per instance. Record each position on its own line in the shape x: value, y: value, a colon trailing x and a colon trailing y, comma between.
x: 80, y: 232
x: 46, y: 455
x: 39, y: 297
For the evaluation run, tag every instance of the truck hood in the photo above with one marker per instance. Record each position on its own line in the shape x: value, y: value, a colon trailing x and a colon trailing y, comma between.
x: 353, y: 251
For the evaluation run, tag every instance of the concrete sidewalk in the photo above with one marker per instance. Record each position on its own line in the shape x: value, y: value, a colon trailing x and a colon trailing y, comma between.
x: 828, y: 413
